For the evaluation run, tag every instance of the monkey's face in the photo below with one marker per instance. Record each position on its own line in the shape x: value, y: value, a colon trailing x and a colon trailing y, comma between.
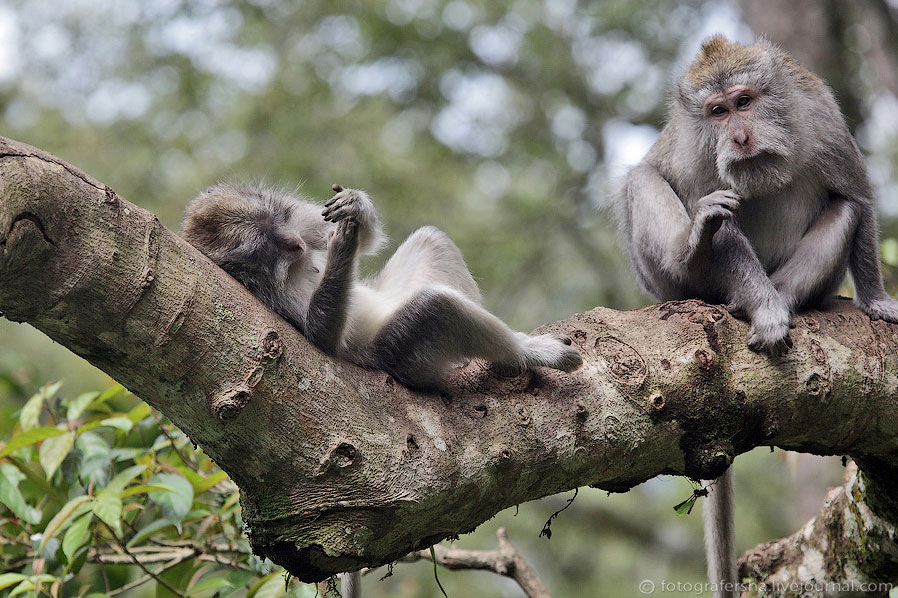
x: 751, y: 139
x: 246, y: 237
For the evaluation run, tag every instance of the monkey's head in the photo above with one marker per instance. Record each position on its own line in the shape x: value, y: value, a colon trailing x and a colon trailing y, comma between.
x: 247, y: 231
x: 746, y: 103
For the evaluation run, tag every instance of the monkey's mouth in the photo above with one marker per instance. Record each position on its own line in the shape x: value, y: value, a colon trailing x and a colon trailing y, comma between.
x: 755, y: 158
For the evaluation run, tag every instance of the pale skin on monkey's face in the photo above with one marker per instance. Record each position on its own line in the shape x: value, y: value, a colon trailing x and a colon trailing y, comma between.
x: 734, y: 109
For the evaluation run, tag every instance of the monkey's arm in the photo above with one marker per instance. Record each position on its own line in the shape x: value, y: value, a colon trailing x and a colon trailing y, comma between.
x: 870, y: 294
x: 657, y: 228
x: 668, y: 245
x: 817, y: 264
x: 326, y: 316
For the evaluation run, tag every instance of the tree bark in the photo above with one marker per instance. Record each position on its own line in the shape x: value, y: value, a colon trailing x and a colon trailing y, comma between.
x: 341, y: 468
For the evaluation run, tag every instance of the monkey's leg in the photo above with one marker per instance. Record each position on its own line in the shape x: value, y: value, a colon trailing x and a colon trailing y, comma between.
x: 427, y: 257
x: 705, y: 257
x: 817, y: 266
x: 439, y: 327
x: 740, y: 274
x: 870, y: 295
x: 326, y: 317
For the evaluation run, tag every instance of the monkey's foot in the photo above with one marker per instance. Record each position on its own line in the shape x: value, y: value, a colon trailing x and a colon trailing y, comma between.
x: 551, y: 351
x: 769, y: 332
x: 885, y: 308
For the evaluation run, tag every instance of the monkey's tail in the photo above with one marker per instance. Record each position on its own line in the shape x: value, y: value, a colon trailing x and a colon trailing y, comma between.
x: 720, y: 549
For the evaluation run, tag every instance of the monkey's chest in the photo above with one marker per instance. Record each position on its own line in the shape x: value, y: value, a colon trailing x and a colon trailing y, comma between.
x: 776, y: 224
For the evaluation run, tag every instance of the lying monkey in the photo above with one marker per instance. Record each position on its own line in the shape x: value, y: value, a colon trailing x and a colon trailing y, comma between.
x: 418, y: 318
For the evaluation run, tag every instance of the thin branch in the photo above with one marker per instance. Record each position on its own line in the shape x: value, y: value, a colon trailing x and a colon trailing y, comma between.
x: 505, y: 561
x: 147, y: 577
x: 137, y: 562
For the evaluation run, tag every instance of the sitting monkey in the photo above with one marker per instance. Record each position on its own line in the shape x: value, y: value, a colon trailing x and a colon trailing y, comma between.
x: 417, y: 319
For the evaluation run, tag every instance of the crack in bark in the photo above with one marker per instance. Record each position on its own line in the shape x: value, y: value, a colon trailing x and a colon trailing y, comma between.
x: 34, y: 219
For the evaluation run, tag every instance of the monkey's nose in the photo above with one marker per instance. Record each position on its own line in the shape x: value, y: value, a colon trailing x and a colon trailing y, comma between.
x: 741, y: 138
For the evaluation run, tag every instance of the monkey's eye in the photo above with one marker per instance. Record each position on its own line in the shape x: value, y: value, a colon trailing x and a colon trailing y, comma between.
x: 718, y: 110
x: 743, y: 101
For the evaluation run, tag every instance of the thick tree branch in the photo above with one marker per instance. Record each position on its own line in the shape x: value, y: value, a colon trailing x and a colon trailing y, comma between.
x: 340, y: 468
x: 847, y: 549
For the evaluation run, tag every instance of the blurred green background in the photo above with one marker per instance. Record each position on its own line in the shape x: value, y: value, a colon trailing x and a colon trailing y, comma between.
x: 505, y: 124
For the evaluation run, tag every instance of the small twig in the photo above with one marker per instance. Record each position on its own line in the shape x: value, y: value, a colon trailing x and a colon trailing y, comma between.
x: 505, y: 561
x: 547, y: 527
x: 171, y: 441
x: 137, y: 562
x: 145, y: 578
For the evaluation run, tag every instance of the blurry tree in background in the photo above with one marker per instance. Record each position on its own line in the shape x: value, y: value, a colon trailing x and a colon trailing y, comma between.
x: 502, y: 123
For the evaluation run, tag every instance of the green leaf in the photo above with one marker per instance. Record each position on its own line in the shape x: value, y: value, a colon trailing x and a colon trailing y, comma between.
x: 141, y: 411
x: 96, y: 457
x: 24, y: 439
x: 8, y: 579
x: 685, y: 507
x: 176, y: 503
x: 107, y: 394
x: 122, y: 423
x: 207, y: 584
x: 177, y: 577
x: 54, y: 450
x: 123, y: 478
x: 148, y: 530
x: 15, y: 502
x: 79, y: 404
x: 303, y: 590
x: 31, y: 412
x: 209, y: 481
x: 270, y: 586
x: 61, y: 517
x: 141, y: 488
x: 108, y: 507
x: 76, y: 536
x: 35, y: 478
x: 238, y: 580
x: 25, y: 586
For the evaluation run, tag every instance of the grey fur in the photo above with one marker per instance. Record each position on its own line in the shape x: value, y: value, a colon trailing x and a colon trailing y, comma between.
x: 764, y: 207
x: 417, y: 319
x: 717, y: 514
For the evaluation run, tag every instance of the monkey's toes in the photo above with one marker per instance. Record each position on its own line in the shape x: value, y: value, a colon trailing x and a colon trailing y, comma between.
x: 552, y: 351
x: 569, y: 360
x: 775, y: 347
x: 881, y: 309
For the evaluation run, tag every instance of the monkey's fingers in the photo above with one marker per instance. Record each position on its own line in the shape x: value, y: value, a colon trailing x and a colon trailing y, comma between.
x: 341, y: 211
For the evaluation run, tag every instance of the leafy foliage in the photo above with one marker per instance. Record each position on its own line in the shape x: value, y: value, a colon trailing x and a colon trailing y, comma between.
x: 101, y: 495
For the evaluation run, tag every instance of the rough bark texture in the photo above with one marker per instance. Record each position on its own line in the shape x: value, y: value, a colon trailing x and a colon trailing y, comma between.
x: 847, y: 549
x: 340, y: 468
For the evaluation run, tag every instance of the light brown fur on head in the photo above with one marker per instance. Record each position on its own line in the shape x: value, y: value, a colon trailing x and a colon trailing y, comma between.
x: 720, y: 60
x: 719, y: 56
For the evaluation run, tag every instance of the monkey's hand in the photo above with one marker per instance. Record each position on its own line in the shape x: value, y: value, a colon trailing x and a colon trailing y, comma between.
x: 355, y: 204
x: 769, y: 330
x: 343, y: 242
x: 883, y: 308
x: 710, y: 212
